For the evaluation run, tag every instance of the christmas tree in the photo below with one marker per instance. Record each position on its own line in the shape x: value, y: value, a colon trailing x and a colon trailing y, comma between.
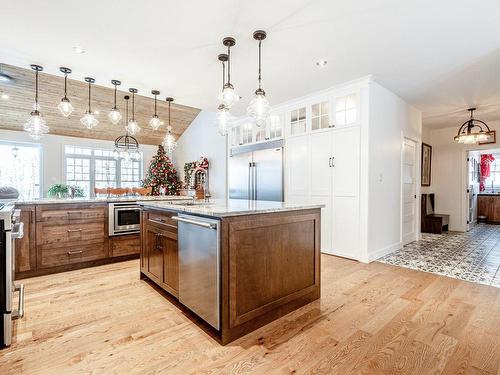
x: 162, y: 174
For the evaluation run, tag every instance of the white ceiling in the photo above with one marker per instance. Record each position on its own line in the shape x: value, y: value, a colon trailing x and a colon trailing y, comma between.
x: 442, y: 56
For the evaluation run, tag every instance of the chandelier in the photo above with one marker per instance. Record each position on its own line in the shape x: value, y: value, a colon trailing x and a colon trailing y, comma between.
x: 473, y: 131
x: 223, y: 117
x: 155, y: 121
x: 133, y: 126
x: 114, y: 115
x: 126, y: 146
x: 88, y: 120
x: 36, y: 125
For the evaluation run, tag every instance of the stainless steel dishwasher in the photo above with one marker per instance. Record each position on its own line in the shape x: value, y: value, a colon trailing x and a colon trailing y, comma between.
x: 199, y: 266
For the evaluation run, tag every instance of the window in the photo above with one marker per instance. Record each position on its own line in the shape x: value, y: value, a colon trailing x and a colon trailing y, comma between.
x: 494, y: 179
x: 90, y: 168
x: 345, y: 109
x: 298, y: 121
x: 20, y: 167
x: 320, y: 116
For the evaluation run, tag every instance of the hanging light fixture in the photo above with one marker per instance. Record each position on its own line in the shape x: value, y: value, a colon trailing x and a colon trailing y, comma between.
x: 65, y: 106
x: 473, y: 131
x: 132, y: 126
x: 36, y: 125
x: 88, y: 120
x: 114, y: 115
x: 14, y: 151
x: 169, y: 142
x: 259, y: 106
x: 126, y: 146
x: 228, y: 96
x: 155, y: 121
x: 223, y: 116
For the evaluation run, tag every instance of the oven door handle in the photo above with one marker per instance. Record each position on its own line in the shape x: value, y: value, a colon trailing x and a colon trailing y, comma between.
x: 129, y: 208
x: 19, y: 313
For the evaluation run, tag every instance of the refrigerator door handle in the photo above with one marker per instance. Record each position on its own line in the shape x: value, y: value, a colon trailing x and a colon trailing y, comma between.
x: 254, y: 181
x: 250, y: 184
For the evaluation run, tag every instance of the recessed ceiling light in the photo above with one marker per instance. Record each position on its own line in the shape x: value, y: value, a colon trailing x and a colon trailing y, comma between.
x: 321, y: 63
x: 5, y: 96
x: 78, y: 50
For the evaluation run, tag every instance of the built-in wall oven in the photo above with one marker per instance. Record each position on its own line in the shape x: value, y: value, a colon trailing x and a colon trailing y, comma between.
x: 124, y: 218
x: 11, y: 228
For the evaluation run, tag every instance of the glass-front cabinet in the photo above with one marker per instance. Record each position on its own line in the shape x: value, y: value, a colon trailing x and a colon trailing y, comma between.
x: 298, y: 121
x: 320, y: 115
x: 346, y: 110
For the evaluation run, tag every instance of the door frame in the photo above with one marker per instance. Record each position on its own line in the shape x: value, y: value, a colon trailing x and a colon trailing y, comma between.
x: 418, y: 146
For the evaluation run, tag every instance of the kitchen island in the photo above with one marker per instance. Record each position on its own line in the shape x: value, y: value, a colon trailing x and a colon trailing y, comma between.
x: 235, y: 264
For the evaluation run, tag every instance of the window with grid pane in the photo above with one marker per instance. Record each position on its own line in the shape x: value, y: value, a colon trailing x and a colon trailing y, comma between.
x: 320, y: 117
x: 298, y: 121
x: 78, y: 172
x: 131, y: 174
x: 346, y: 109
x: 105, y: 173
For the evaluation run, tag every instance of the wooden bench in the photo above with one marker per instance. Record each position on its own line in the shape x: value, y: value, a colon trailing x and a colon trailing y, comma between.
x: 430, y: 221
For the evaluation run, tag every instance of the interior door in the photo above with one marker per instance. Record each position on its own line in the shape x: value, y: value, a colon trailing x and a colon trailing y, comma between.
x: 239, y: 176
x: 409, y: 227
x: 321, y: 188
x: 268, y: 174
x: 345, y: 207
x: 297, y: 171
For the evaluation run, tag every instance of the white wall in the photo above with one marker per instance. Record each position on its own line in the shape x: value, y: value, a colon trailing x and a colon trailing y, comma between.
x: 53, y: 152
x: 391, y: 119
x: 449, y: 173
x: 202, y: 139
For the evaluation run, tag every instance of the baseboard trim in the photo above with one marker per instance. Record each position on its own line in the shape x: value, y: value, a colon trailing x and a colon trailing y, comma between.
x: 374, y: 255
x: 338, y: 254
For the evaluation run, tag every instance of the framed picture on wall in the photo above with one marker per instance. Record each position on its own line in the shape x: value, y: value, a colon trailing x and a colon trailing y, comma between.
x: 426, y: 164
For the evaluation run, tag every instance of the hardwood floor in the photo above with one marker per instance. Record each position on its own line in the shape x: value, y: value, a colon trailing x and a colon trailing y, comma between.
x: 373, y: 319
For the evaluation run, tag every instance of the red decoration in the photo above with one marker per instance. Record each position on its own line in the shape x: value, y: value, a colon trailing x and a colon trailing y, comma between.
x: 486, y: 161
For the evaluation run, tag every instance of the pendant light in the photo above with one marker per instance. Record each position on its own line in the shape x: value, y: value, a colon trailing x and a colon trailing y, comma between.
x: 36, y: 126
x: 473, y: 131
x: 169, y: 143
x: 65, y: 106
x: 88, y: 120
x: 155, y: 121
x: 114, y: 115
x: 223, y: 116
x: 132, y: 126
x: 259, y: 107
x: 126, y: 146
x: 228, y: 96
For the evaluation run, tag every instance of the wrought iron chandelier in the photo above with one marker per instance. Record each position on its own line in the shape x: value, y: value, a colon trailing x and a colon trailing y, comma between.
x: 126, y: 146
x: 36, y: 125
x: 473, y: 131
x: 65, y: 106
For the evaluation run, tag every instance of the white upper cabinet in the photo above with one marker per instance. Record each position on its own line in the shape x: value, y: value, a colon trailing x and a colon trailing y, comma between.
x: 320, y: 115
x: 346, y: 110
x: 298, y: 121
x: 234, y: 136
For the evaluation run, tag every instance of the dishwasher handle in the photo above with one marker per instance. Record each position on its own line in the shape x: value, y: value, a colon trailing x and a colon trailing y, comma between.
x: 194, y: 222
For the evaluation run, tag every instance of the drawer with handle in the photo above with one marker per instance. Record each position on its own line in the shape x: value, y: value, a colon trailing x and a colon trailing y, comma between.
x: 162, y: 219
x: 59, y: 256
x: 70, y: 234
x: 62, y: 213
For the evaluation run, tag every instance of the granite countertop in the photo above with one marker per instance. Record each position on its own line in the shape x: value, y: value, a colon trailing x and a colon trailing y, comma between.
x: 229, y: 207
x: 101, y: 199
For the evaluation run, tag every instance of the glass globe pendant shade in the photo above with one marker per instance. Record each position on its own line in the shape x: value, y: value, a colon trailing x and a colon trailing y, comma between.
x: 222, y: 120
x: 259, y: 108
x: 114, y: 116
x: 155, y: 122
x: 65, y: 107
x: 169, y: 143
x: 36, y: 125
x: 88, y: 120
x: 133, y: 127
x: 469, y: 139
x: 136, y: 156
x: 228, y: 96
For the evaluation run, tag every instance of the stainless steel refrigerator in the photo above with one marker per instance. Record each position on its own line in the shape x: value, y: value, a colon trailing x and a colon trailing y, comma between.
x: 255, y: 172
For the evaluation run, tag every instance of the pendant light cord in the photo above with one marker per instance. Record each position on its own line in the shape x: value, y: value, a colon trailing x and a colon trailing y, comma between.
x: 133, y: 106
x: 65, y: 85
x: 36, y: 90
x: 169, y: 126
x: 155, y: 105
x: 115, y: 95
x: 90, y: 111
x: 228, y: 65
x: 223, y: 75
x: 126, y: 117
x: 260, y: 76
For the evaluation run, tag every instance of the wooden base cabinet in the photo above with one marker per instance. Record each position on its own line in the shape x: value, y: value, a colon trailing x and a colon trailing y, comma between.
x: 159, y: 253
x: 26, y: 247
x: 489, y: 206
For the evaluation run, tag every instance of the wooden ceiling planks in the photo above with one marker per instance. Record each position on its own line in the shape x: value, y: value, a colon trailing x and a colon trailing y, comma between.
x: 15, y: 111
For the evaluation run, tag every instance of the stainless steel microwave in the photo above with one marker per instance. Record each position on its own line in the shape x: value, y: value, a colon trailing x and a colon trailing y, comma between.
x: 124, y: 218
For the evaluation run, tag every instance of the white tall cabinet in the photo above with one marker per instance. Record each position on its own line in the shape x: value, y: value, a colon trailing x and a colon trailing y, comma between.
x: 330, y: 139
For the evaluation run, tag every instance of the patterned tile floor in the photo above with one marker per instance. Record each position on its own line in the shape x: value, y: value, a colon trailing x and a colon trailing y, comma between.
x: 472, y: 256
